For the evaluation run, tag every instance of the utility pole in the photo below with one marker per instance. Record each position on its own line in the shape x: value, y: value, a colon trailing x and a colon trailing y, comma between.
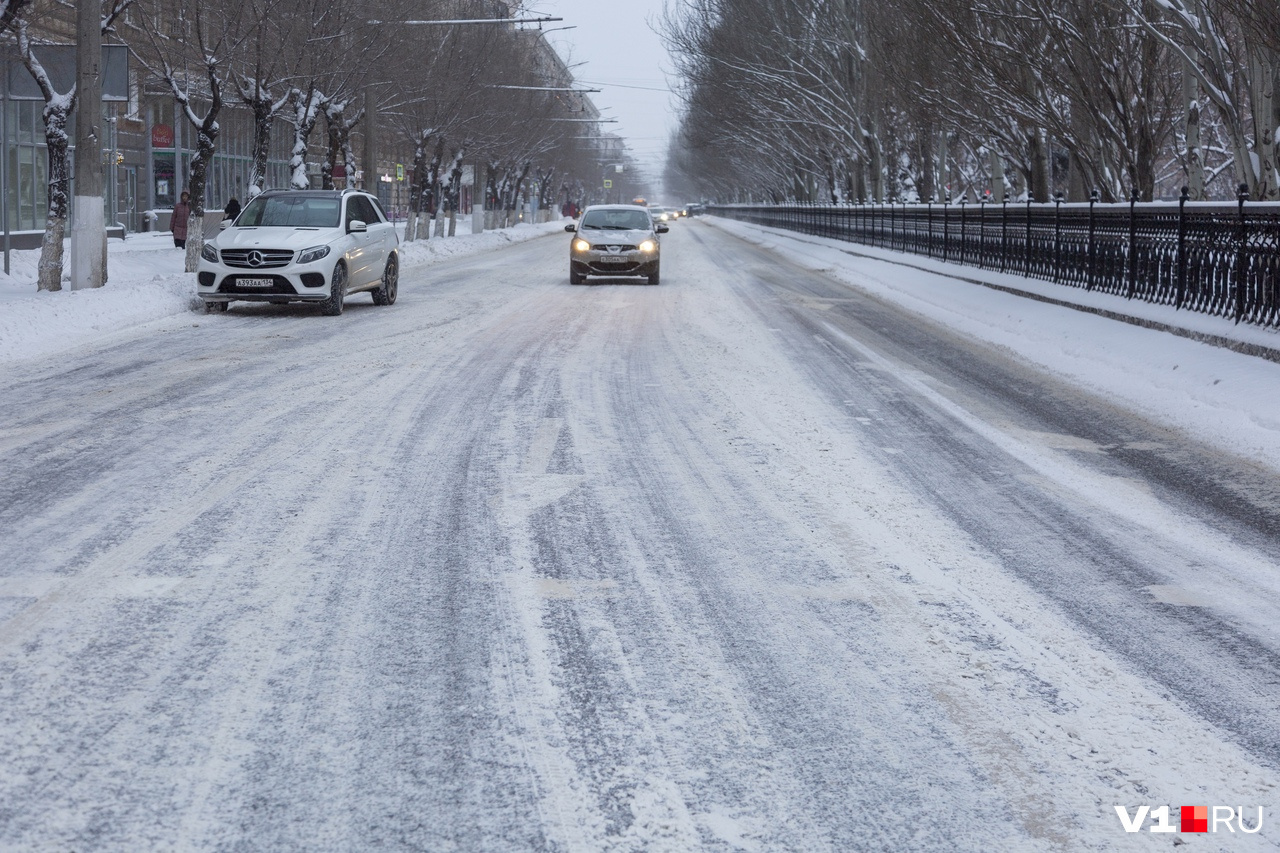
x: 370, y: 162
x: 88, y: 221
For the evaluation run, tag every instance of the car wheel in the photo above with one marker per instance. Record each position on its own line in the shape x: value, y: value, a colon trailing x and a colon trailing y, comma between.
x: 386, y: 294
x: 653, y: 276
x: 211, y: 307
x: 576, y: 278
x: 332, y: 306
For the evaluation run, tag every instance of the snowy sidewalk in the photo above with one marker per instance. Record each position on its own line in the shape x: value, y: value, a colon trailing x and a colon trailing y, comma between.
x: 1224, y: 398
x: 146, y: 282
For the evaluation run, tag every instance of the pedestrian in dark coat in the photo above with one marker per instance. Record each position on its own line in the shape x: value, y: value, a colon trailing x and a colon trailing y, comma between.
x: 231, y: 210
x: 178, y: 223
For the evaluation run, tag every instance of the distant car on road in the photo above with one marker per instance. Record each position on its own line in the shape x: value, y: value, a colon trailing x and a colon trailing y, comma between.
x: 302, y: 246
x: 659, y: 213
x: 615, y: 240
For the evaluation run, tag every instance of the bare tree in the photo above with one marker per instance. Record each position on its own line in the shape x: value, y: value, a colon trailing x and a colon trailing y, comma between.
x: 58, y: 108
x: 193, y: 34
x: 263, y: 79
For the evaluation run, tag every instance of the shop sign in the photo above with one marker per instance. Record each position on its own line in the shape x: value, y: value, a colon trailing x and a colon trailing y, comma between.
x: 161, y: 136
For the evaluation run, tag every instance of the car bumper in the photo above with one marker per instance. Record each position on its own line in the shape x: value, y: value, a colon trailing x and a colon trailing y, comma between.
x: 217, y: 283
x: 635, y: 265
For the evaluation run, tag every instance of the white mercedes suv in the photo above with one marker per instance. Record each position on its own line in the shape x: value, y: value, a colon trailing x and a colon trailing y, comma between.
x: 302, y: 246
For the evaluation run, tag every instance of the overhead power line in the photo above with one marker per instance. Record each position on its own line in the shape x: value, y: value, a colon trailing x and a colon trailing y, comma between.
x: 625, y: 86
x: 544, y: 89
x: 469, y: 21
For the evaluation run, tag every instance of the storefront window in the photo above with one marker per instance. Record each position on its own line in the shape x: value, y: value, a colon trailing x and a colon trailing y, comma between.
x: 162, y: 168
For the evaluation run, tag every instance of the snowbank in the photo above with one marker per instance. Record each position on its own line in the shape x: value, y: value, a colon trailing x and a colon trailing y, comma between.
x: 147, y: 283
x: 800, y: 248
x: 1223, y: 398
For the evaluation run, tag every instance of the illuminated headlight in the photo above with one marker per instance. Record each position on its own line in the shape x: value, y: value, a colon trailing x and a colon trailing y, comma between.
x: 581, y: 246
x: 210, y: 253
x: 663, y: 217
x: 315, y: 253
x: 648, y: 246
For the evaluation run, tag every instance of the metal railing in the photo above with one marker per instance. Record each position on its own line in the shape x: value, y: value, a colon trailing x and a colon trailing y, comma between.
x: 1212, y: 257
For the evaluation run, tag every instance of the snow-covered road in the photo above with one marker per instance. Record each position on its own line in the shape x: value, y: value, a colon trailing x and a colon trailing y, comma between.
x: 750, y: 560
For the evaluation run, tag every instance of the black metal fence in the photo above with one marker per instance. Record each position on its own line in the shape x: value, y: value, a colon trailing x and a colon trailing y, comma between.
x: 1212, y: 257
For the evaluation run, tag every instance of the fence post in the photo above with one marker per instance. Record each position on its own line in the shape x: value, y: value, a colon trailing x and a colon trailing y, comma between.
x: 946, y: 226
x: 1133, y: 244
x: 902, y: 240
x: 1242, y: 246
x: 893, y: 234
x: 1057, y: 235
x: 982, y: 233
x: 1026, y: 253
x: 1182, y: 248
x: 929, y: 225
x: 1093, y: 199
x: 1004, y: 231
x: 963, y: 199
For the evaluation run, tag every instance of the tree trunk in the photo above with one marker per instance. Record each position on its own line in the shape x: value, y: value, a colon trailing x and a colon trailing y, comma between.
x: 928, y: 186
x: 348, y: 149
x: 430, y: 204
x: 944, y: 166
x: 55, y: 224
x: 206, y: 138
x: 516, y: 190
x: 1041, y: 177
x: 1144, y: 166
x: 57, y: 109
x: 340, y: 150
x: 265, y: 110
x: 875, y: 166
x: 1195, y: 155
x: 455, y: 184
x: 333, y: 122
x: 997, y: 174
x: 306, y: 112
x: 1262, y: 66
x: 416, y: 189
x: 1077, y: 178
x: 263, y: 118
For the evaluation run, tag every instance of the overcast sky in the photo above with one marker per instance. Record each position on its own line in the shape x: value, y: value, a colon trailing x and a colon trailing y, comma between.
x: 621, y: 54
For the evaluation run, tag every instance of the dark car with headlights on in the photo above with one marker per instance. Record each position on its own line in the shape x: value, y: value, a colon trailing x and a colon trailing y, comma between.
x: 615, y: 240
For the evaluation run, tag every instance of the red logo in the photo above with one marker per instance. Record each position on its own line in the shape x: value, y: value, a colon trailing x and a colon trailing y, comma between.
x: 161, y: 136
x: 1195, y: 819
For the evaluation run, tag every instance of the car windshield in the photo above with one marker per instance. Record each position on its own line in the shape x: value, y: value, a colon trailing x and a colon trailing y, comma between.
x: 617, y: 220
x: 291, y: 211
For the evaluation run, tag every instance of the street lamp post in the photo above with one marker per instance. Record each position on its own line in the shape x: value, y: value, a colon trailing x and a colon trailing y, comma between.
x: 88, y: 223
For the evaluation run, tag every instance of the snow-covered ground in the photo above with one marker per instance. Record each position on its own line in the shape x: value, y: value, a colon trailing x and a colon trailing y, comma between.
x: 146, y: 282
x: 1224, y: 398
x: 752, y: 560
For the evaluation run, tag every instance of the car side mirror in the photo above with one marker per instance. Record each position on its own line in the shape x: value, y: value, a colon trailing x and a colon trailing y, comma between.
x: 226, y: 223
x: 662, y: 228
x: 571, y: 228
x: 357, y: 226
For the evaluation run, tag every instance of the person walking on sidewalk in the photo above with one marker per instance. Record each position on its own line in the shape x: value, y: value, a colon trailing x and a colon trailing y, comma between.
x: 178, y: 223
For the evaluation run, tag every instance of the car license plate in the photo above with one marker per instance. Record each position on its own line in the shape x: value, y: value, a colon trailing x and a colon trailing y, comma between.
x: 254, y: 282
x: 613, y: 259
